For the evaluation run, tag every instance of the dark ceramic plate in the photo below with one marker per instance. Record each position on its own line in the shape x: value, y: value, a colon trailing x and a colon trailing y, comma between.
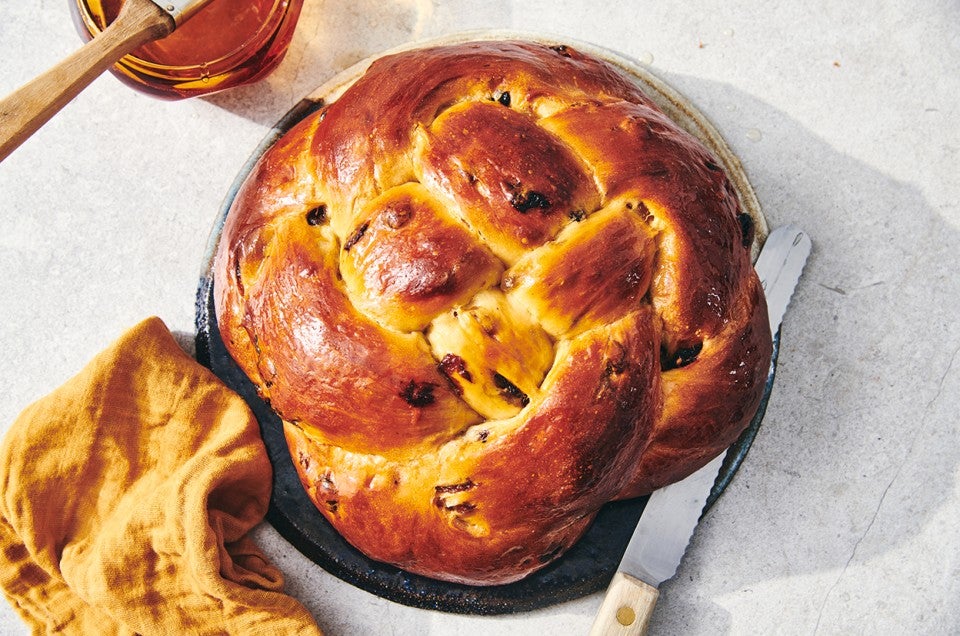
x: 586, y: 568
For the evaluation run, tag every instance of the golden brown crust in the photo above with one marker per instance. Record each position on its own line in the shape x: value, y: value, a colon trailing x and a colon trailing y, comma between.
x: 489, y: 289
x: 406, y: 261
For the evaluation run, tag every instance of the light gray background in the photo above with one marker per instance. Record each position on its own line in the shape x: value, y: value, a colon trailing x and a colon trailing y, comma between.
x: 845, y: 518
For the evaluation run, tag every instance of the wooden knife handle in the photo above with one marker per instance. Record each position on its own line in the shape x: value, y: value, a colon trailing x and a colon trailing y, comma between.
x: 626, y: 609
x: 25, y: 110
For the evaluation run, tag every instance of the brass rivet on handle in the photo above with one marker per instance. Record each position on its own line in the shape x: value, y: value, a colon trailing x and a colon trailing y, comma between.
x: 626, y: 615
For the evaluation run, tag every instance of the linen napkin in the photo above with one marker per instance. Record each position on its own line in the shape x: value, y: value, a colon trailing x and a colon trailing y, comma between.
x: 127, y: 496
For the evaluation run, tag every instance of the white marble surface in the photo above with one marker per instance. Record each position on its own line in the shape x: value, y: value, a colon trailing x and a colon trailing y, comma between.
x: 845, y: 518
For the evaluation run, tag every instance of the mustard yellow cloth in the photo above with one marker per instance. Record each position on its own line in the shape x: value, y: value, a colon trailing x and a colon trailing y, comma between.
x: 127, y: 496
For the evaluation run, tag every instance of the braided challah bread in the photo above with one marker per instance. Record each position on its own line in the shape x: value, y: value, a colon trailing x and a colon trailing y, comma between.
x: 488, y: 289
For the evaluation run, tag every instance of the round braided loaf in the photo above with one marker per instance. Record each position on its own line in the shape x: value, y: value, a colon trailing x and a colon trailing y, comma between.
x: 488, y: 289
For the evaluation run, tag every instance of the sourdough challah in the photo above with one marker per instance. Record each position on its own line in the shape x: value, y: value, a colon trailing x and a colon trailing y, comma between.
x: 488, y: 289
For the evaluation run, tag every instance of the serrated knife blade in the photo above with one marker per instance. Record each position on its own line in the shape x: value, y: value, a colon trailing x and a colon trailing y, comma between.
x: 672, y: 513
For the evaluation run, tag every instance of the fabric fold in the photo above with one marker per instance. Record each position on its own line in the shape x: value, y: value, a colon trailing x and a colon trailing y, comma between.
x: 127, y: 496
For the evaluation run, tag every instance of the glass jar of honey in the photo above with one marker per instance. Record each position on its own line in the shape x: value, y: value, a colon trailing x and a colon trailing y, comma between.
x: 227, y: 43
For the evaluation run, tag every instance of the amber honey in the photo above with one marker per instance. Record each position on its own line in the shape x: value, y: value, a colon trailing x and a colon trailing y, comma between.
x: 226, y: 43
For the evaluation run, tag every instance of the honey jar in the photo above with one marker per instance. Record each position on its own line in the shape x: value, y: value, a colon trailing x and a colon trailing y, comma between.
x: 227, y: 43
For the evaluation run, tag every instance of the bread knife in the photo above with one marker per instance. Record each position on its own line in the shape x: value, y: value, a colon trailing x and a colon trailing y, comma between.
x: 24, y: 111
x: 672, y: 513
